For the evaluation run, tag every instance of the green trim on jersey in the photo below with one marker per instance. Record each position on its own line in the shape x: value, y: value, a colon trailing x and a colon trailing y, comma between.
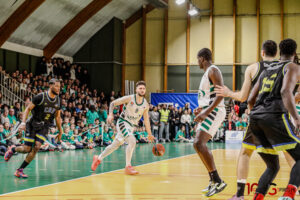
x: 124, y: 120
x: 136, y: 101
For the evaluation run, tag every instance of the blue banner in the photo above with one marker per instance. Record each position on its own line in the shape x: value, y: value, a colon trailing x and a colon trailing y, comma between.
x: 177, y: 99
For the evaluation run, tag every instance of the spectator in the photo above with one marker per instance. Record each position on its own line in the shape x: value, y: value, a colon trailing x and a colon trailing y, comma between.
x: 245, y: 116
x: 143, y: 135
x: 154, y: 119
x: 241, y: 125
x: 11, y: 116
x: 66, y: 139
x: 186, y: 121
x: 79, y: 144
x: 172, y: 122
x: 4, y: 116
x: 3, y: 142
x: 236, y: 109
x: 103, y: 114
x: 230, y: 125
x: 41, y: 67
x: 92, y: 115
x: 73, y: 72
x: 49, y: 67
x: 17, y: 108
x: 106, y: 140
x: 164, y: 123
x: 181, y: 136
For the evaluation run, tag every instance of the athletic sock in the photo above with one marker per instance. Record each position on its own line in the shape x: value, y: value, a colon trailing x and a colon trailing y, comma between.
x: 241, y: 187
x: 215, y: 176
x: 210, y: 177
x: 24, y: 164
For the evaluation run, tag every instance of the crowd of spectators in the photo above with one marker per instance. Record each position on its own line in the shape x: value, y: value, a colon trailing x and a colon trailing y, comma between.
x: 84, y: 111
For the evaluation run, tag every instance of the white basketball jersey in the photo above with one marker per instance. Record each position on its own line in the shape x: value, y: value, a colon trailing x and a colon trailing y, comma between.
x: 206, y: 93
x: 132, y: 111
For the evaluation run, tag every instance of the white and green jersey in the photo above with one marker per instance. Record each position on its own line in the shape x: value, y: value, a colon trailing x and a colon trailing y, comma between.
x: 132, y: 111
x: 206, y: 93
x: 298, y: 108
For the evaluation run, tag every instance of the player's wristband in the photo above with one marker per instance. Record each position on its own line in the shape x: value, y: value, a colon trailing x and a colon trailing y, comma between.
x: 23, y: 124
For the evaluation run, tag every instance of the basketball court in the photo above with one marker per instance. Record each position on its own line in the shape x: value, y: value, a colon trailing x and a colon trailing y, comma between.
x: 179, y: 174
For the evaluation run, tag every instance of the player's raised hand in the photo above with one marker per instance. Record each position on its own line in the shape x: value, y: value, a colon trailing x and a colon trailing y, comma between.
x: 222, y: 91
x: 110, y: 118
x: 151, y: 138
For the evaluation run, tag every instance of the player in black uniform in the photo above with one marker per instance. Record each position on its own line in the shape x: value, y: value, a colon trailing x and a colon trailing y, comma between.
x: 273, y: 101
x: 44, y: 107
x: 252, y: 73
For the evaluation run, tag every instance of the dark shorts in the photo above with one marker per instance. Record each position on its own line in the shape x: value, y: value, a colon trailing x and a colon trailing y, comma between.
x: 249, y: 139
x: 35, y: 133
x: 273, y: 132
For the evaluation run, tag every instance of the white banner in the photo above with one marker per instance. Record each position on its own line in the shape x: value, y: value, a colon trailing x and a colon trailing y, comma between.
x: 234, y: 136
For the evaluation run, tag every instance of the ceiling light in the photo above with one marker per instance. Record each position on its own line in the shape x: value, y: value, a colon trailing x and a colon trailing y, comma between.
x: 179, y: 2
x: 193, y: 11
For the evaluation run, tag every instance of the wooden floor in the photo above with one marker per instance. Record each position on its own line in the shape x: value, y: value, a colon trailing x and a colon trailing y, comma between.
x: 174, y: 178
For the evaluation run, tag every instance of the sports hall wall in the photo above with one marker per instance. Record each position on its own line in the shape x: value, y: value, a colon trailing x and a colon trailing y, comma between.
x: 229, y: 32
x: 102, y: 55
x: 11, y: 61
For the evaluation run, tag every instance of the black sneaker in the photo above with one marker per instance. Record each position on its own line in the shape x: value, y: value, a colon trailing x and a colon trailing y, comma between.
x: 216, y: 188
x: 207, y: 188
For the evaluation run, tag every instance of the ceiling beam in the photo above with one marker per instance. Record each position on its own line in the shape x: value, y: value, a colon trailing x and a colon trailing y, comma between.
x: 69, y: 29
x: 17, y: 18
x: 138, y: 15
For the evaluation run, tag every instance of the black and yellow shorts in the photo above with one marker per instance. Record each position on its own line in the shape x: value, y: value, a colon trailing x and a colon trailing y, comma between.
x: 35, y: 134
x: 249, y: 139
x: 273, y: 132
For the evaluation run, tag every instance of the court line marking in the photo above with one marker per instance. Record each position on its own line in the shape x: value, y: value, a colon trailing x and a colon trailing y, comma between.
x: 99, y: 174
x: 110, y: 172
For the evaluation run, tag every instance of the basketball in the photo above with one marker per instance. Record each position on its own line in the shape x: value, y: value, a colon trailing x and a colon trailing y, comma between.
x: 159, y: 150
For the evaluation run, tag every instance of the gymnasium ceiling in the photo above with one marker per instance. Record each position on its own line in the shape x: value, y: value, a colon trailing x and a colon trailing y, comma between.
x: 52, y: 15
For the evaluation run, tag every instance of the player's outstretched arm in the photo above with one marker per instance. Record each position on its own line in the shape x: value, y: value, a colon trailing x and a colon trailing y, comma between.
x: 241, y: 95
x: 216, y: 77
x: 58, y: 124
x: 147, y: 124
x: 289, y: 82
x: 117, y: 102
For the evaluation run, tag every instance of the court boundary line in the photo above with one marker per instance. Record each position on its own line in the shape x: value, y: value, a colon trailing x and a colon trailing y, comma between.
x: 108, y: 172
x: 98, y: 174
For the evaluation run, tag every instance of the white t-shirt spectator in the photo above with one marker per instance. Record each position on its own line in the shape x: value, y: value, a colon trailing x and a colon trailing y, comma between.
x: 73, y: 74
x: 49, y: 68
x: 185, y: 118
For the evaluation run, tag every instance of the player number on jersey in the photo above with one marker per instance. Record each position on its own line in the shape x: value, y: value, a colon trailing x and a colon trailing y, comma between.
x: 268, y: 84
x: 47, y: 117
